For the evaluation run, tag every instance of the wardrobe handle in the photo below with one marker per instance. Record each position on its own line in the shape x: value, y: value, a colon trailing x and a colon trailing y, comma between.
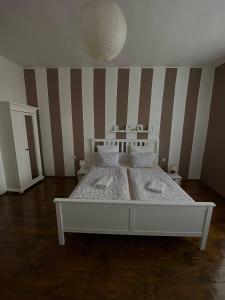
x: 27, y: 149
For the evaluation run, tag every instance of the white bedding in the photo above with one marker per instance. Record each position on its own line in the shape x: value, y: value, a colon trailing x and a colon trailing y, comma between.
x: 140, y: 177
x: 118, y: 189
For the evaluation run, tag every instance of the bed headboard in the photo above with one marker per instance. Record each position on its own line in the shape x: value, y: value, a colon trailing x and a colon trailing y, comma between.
x: 125, y: 143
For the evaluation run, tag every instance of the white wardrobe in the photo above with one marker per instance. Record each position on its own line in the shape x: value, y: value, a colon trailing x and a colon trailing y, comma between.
x: 19, y: 144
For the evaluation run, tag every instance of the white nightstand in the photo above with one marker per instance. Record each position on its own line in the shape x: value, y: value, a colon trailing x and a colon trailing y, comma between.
x: 176, y: 177
x: 82, y: 171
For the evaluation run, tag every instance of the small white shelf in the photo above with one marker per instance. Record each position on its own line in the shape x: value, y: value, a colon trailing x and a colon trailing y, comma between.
x: 176, y: 177
x: 130, y: 131
x: 81, y: 172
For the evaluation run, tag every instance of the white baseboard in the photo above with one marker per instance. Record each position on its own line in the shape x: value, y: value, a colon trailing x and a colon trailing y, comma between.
x: 3, y: 190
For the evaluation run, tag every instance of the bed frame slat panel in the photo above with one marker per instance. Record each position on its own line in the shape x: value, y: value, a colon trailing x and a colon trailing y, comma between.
x: 174, y: 219
x: 107, y: 217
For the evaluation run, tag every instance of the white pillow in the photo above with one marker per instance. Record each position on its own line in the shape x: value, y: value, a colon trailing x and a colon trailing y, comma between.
x: 109, y: 159
x: 140, y: 149
x: 108, y: 149
x: 142, y: 160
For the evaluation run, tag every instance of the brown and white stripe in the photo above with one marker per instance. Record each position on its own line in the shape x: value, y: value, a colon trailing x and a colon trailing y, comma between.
x: 145, y: 100
x: 55, y: 118
x: 79, y: 104
x: 31, y: 94
x: 66, y: 120
x: 77, y: 115
x: 166, y: 116
x: 122, y: 100
x: 189, y: 121
x: 99, y: 103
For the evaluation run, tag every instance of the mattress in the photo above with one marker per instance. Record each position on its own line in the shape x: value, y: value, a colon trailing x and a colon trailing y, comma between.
x: 118, y: 190
x: 140, y: 177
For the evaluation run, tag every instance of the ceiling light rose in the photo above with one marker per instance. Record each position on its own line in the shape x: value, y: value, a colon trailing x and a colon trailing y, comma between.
x: 104, y: 29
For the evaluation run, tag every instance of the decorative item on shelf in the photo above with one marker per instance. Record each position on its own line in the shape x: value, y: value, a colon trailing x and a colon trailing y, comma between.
x: 116, y: 128
x: 140, y: 127
x: 104, y: 29
x: 123, y: 128
x: 128, y: 128
x: 82, y: 163
x: 173, y: 169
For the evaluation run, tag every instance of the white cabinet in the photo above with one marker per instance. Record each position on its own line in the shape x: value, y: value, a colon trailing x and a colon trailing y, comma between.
x: 82, y: 171
x: 176, y: 177
x: 19, y: 145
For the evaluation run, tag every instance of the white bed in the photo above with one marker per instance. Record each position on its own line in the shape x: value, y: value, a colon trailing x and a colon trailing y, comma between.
x: 96, y: 213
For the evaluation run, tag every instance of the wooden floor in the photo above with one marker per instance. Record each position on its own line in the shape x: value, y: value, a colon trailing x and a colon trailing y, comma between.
x: 34, y: 267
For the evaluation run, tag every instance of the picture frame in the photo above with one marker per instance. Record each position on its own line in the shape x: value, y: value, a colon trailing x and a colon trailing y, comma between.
x: 82, y: 163
x: 116, y: 128
x: 128, y: 128
x: 140, y: 127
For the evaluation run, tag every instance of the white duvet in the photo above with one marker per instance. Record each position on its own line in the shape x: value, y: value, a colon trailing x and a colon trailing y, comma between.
x: 118, y: 189
x: 139, y: 179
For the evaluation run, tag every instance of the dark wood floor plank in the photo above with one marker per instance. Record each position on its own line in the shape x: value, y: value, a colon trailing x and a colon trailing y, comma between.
x: 89, y: 267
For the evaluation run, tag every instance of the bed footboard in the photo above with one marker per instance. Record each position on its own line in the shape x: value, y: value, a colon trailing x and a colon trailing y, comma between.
x: 134, y: 218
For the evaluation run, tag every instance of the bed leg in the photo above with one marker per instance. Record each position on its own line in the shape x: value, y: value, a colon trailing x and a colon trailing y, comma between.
x: 205, y: 230
x: 60, y: 224
x: 61, y: 239
x: 202, y: 243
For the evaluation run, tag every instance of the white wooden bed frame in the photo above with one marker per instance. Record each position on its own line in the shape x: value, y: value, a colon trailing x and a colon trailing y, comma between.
x: 131, y: 217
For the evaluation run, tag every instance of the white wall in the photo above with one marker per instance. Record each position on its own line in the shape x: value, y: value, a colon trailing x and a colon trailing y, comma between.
x: 12, y: 88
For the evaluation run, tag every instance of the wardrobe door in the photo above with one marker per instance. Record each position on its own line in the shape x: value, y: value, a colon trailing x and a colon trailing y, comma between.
x: 30, y: 130
x: 22, y: 149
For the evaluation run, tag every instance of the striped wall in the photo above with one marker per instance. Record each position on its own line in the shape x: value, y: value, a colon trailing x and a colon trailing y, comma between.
x: 76, y: 105
x: 213, y: 173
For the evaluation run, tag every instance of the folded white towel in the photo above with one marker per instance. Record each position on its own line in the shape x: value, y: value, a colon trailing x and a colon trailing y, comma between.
x: 104, y: 182
x: 156, y: 186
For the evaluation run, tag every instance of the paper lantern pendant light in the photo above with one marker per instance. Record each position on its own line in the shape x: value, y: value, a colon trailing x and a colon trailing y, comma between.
x: 104, y: 29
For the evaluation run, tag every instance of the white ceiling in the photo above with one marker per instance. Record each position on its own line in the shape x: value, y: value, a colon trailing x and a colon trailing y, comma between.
x: 160, y: 33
